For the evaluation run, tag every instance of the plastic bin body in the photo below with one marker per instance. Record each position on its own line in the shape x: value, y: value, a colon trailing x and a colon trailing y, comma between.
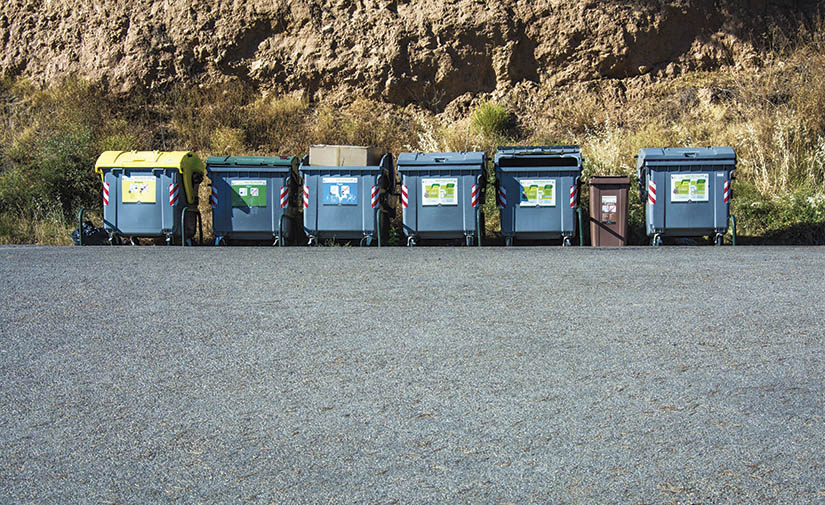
x: 144, y: 193
x: 253, y: 197
x: 608, y: 211
x: 344, y: 202
x: 439, y: 202
x: 686, y: 190
x: 521, y: 172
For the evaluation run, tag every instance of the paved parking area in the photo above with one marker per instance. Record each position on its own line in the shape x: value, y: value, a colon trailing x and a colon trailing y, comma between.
x: 425, y: 375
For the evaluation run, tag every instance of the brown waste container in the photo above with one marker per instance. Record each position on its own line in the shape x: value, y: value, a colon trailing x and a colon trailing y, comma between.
x: 608, y: 211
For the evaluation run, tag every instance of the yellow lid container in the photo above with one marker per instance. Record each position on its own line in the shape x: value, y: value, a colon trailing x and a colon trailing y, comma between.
x: 184, y: 161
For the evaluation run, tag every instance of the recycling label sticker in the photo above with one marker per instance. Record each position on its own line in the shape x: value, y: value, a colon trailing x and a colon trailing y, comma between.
x: 689, y: 187
x: 537, y: 193
x: 339, y: 190
x: 247, y: 193
x: 440, y: 191
x: 609, y: 209
x: 139, y: 189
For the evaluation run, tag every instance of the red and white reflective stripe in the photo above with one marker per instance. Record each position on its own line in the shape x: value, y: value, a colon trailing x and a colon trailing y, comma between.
x: 475, y: 194
x: 502, y: 197
x: 174, y: 191
x: 306, y: 196
x: 374, y: 196
x: 405, y: 198
x: 214, y: 198
x: 726, y: 192
x: 105, y: 193
x: 574, y: 196
x: 284, y: 197
x: 651, y: 192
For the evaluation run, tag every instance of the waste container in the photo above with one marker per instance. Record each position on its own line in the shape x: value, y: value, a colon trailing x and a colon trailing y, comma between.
x: 686, y: 191
x: 254, y: 198
x: 441, y: 195
x: 149, y: 193
x: 608, y: 211
x: 538, y: 192
x: 346, y: 202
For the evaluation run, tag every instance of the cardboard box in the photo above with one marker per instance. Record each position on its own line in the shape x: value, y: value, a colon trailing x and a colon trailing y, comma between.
x: 322, y: 155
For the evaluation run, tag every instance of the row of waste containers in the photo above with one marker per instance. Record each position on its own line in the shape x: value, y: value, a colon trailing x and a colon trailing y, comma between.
x: 348, y: 193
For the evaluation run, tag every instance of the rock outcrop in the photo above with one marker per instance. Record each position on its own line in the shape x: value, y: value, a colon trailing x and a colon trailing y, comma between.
x: 428, y: 52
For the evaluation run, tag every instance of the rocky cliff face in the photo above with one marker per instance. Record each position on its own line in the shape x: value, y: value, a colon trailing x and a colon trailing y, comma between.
x: 429, y: 52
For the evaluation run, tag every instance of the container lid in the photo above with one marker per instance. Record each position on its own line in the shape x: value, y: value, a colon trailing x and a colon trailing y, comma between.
x: 250, y: 163
x: 455, y: 161
x: 538, y: 158
x: 598, y: 180
x: 184, y: 161
x: 676, y: 156
x: 556, y: 150
x: 147, y: 159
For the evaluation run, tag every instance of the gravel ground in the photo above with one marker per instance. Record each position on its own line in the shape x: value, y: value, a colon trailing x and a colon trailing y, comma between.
x: 426, y: 375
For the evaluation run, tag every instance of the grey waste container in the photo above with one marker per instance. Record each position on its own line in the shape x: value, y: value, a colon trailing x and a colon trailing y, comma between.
x: 150, y: 194
x: 347, y: 202
x: 255, y: 198
x: 441, y: 195
x: 538, y: 192
x: 686, y: 191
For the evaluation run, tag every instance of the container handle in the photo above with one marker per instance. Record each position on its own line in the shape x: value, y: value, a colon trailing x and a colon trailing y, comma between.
x: 80, y: 224
x: 581, y: 235
x: 280, y: 229
x: 183, y: 225
x: 479, y: 231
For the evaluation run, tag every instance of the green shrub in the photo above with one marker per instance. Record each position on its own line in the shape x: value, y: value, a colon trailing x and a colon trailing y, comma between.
x: 491, y: 120
x: 795, y: 217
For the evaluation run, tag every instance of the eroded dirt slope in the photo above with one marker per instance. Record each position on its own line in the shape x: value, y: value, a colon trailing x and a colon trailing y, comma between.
x: 424, y: 51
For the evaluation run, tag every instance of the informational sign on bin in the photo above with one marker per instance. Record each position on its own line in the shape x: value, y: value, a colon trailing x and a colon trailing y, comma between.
x: 138, y: 189
x: 609, y: 209
x: 440, y: 191
x: 339, y: 190
x: 248, y: 193
x: 689, y: 187
x: 538, y: 193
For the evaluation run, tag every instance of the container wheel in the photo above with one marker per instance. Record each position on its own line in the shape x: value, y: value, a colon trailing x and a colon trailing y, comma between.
x: 719, y: 239
x: 220, y: 241
x: 566, y: 242
x: 657, y: 240
x: 508, y: 241
x: 468, y: 240
x: 411, y: 241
